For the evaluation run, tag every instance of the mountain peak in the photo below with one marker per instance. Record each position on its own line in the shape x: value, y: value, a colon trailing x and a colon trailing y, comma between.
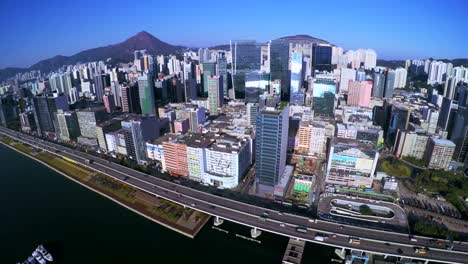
x: 142, y: 36
x: 304, y: 38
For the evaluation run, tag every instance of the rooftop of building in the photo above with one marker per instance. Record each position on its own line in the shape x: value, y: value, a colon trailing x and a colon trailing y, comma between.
x: 344, y: 145
x: 227, y: 144
x: 203, y: 141
x: 443, y: 142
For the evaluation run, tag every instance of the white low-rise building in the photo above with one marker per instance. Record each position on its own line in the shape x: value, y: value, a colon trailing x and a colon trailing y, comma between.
x: 227, y: 160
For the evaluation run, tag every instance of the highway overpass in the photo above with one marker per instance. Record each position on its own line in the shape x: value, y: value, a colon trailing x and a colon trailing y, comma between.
x: 371, y: 240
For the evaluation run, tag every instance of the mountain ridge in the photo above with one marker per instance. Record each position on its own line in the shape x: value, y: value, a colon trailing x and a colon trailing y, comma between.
x: 123, y: 52
x: 119, y: 52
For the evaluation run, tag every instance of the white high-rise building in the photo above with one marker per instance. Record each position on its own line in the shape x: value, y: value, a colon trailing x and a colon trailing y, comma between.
x: 370, y: 61
x: 459, y: 73
x: 346, y: 76
x: 400, y: 78
x: 437, y: 71
x: 337, y: 52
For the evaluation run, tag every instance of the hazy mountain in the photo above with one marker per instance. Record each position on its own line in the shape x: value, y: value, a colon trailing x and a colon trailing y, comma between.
x: 304, y: 39
x: 120, y: 52
x: 123, y: 52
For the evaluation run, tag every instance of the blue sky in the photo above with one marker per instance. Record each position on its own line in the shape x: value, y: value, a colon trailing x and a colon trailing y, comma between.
x: 35, y: 30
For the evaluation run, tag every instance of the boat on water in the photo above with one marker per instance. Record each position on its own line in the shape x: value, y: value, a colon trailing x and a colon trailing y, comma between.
x: 44, y: 253
x: 38, y: 256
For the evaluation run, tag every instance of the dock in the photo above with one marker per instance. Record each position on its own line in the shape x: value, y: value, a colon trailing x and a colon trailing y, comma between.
x: 294, y: 251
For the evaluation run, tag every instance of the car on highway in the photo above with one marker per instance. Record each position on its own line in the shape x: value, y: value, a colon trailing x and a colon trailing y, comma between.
x: 282, y: 225
x: 301, y: 229
x: 354, y: 240
x: 419, y: 250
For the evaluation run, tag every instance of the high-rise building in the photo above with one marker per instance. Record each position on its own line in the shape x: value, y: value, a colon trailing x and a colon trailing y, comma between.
x: 296, y: 93
x: 104, y: 128
x: 8, y: 114
x: 215, y: 94
x: 410, y: 144
x: 88, y: 119
x: 447, y: 112
x: 27, y: 122
x: 321, y: 58
x: 109, y: 102
x: 130, y: 99
x: 245, y: 58
x: 196, y: 118
x: 389, y: 84
x: 252, y: 112
x: 399, y: 120
x: 101, y: 81
x: 437, y: 72
x: 450, y: 87
x: 66, y: 125
x: 279, y: 66
x: 44, y: 106
x: 221, y: 70
x: 190, y: 82
x: 378, y: 86
x: 359, y: 93
x: 439, y: 153
x: 138, y: 130
x: 459, y: 133
x: 146, y: 92
x: 209, y: 69
x: 400, y: 78
x: 256, y: 84
x: 323, y: 100
x: 351, y: 163
x: 271, y: 143
x: 370, y: 60
x: 346, y: 75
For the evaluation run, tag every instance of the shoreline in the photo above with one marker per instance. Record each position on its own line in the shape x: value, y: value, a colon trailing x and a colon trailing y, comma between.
x: 189, y: 235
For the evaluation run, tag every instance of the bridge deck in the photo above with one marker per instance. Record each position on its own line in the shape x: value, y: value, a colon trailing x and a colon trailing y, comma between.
x: 294, y: 251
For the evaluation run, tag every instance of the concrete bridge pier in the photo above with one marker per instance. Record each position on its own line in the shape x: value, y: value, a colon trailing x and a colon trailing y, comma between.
x: 341, y: 253
x: 254, y: 232
x: 218, y: 221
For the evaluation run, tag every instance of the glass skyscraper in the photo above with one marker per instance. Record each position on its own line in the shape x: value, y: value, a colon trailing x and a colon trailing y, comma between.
x: 245, y: 58
x: 221, y: 70
x: 279, y: 66
x: 44, y: 106
x: 147, y: 96
x: 256, y: 83
x: 321, y: 59
x: 389, y: 84
x: 272, y: 140
x: 323, y: 97
x: 297, y: 95
x: 378, y: 86
x: 209, y: 69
